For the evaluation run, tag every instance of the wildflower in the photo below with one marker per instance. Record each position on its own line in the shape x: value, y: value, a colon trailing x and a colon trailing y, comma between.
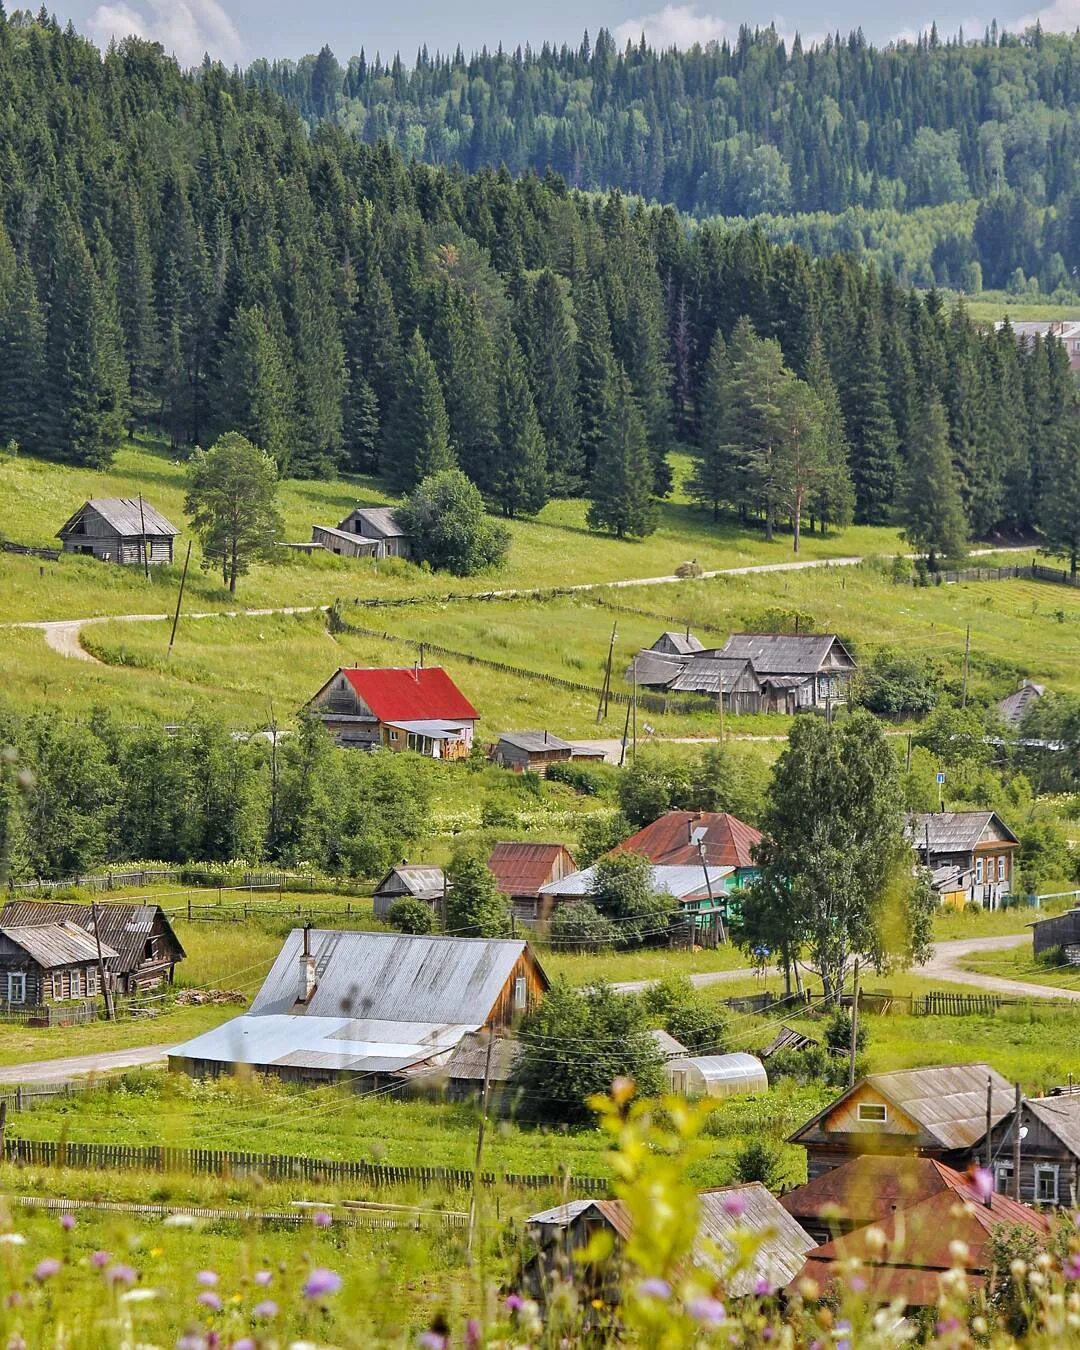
x: 959, y: 1251
x: 208, y: 1299
x: 514, y: 1303
x: 874, y: 1240
x: 244, y: 1343
x: 431, y: 1340
x: 734, y: 1204
x: 322, y: 1282
x: 16, y: 1343
x: 1071, y: 1267
x: 12, y: 1239
x: 983, y: 1181
x: 191, y: 1340
x: 761, y: 1286
x: 654, y: 1288
x: 119, y: 1274
x: 708, y: 1310
x: 99, y: 1259
x: 67, y: 1222
x: 472, y: 1334
x: 13, y: 1300
x: 45, y: 1270
x: 207, y: 1278
x: 267, y: 1308
x: 321, y: 1219
x: 857, y: 1284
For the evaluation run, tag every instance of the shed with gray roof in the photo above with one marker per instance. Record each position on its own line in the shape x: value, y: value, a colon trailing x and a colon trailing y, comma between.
x: 381, y: 526
x: 409, y: 882
x: 120, y: 530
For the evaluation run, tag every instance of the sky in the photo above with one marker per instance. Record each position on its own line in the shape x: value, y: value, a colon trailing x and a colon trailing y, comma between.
x: 238, y: 31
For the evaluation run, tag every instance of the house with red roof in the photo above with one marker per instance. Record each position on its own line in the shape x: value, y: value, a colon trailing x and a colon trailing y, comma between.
x: 416, y: 708
x: 693, y: 838
x: 520, y: 869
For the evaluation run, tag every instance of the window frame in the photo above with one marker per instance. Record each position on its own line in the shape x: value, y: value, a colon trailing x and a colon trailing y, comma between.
x: 979, y: 869
x: 1001, y: 867
x: 1052, y: 1171
x: 1003, y: 1177
x: 864, y: 1119
x: 16, y: 977
x: 521, y: 993
x: 76, y: 982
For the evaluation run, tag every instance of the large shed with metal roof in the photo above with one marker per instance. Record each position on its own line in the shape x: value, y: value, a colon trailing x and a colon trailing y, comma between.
x: 521, y: 870
x: 120, y: 530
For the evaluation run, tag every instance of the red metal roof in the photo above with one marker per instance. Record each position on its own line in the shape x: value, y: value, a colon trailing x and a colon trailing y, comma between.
x: 729, y: 841
x: 411, y: 694
x: 521, y: 869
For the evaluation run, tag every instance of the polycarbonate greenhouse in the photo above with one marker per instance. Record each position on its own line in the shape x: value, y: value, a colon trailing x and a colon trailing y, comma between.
x: 735, y: 1075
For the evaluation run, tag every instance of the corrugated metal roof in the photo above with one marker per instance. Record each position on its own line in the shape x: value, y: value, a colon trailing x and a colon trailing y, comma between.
x: 123, y: 927
x: 1061, y: 1116
x: 787, y: 654
x: 123, y: 515
x: 340, y: 1044
x: 55, y: 944
x: 469, y: 1060
x: 729, y: 841
x: 869, y: 1188
x: 750, y: 1208
x: 654, y: 670
x: 534, y: 742
x: 399, y: 977
x: 684, y: 643
x: 611, y: 1212
x: 424, y: 882
x: 380, y: 518
x: 410, y: 693
x: 684, y: 883
x: 668, y: 1046
x: 521, y: 869
x: 708, y: 675
x: 954, y: 831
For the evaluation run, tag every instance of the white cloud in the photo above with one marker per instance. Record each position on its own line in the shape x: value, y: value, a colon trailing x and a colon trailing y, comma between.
x: 673, y: 26
x: 1061, y: 16
x: 187, y: 29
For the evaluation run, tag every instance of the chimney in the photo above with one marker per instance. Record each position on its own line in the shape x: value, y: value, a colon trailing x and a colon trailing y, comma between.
x: 307, y: 969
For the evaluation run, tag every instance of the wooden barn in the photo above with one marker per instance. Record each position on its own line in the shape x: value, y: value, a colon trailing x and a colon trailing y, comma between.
x: 375, y: 1009
x: 798, y: 671
x: 416, y: 708
x: 378, y: 526
x: 145, y: 948
x: 535, y: 750
x: 121, y: 530
x: 48, y: 963
x: 731, y: 681
x: 521, y: 870
x: 409, y: 881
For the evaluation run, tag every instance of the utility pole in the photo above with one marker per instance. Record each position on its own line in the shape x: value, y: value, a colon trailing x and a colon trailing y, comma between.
x: 179, y: 599
x: 110, y: 1011
x: 142, y: 540
x: 273, y: 775
x: 967, y: 663
x: 708, y: 887
x: 1016, y: 1145
x: 633, y: 666
x: 625, y: 737
x: 605, y: 691
x: 988, y: 1158
x: 479, y: 1144
x: 854, y: 1023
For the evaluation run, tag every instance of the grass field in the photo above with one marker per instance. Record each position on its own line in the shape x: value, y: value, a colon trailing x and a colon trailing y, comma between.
x: 1020, y: 964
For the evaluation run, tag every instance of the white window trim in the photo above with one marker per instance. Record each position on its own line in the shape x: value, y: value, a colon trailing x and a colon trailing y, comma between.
x: 978, y: 871
x: 16, y: 978
x: 1001, y: 868
x: 875, y: 1119
x: 1003, y: 1175
x: 1051, y: 1170
x: 76, y: 984
x: 521, y: 993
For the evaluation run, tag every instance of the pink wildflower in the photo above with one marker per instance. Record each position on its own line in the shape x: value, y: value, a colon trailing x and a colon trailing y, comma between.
x: 267, y: 1308
x: 263, y: 1278
x: 734, y: 1204
x: 322, y: 1282
x: 321, y: 1219
x: 207, y: 1278
x: 1071, y: 1266
x: 99, y: 1260
x: 208, y: 1299
x: 45, y: 1270
x: 121, y: 1275
x: 67, y: 1222
x: 513, y: 1303
x: 708, y: 1310
x: 983, y: 1181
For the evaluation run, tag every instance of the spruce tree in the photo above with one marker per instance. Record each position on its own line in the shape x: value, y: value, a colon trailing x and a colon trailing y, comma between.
x: 621, y: 487
x: 361, y: 426
x: 22, y: 348
x: 832, y: 501
x: 932, y: 509
x: 418, y: 434
x: 252, y: 394
x: 465, y: 358
x: 596, y: 373
x: 548, y: 341
x: 520, y: 485
x: 1059, y: 512
x: 870, y: 427
x: 717, y: 464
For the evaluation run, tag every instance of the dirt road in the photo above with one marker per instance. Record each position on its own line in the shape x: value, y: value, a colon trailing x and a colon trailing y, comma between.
x: 79, y: 1066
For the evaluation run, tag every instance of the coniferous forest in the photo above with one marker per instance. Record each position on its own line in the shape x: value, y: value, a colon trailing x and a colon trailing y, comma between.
x: 182, y: 252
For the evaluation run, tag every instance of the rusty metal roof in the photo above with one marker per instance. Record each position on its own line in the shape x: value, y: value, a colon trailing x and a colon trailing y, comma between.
x: 123, y: 514
x: 954, y: 831
x: 947, y: 1103
x: 729, y: 841
x: 124, y: 927
x: 50, y: 945
x: 749, y: 1208
x: 869, y: 1188
x: 521, y: 869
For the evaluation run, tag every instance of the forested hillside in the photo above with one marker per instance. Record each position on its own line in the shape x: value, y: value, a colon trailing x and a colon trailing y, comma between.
x: 752, y: 128
x: 178, y: 252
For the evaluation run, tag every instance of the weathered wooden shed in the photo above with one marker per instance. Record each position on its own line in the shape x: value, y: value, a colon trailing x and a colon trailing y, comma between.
x: 120, y: 530
x: 521, y: 869
x: 521, y: 750
x: 1058, y: 930
x: 343, y: 543
x: 379, y: 525
x: 731, y: 680
x: 409, y: 882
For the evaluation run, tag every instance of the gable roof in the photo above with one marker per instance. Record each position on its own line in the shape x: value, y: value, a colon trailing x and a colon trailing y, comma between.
x: 683, y: 643
x: 712, y: 674
x: 534, y: 742
x: 654, y: 670
x: 395, y: 977
x: 786, y: 654
x: 123, y: 927
x: 954, y: 831
x: 782, y: 1248
x: 729, y: 841
x: 410, y: 693
x: 521, y: 869
x: 947, y: 1103
x: 1012, y: 708
x: 123, y: 515
x: 1061, y: 1116
x: 380, y: 518
x: 55, y: 944
x: 868, y: 1188
x: 423, y: 882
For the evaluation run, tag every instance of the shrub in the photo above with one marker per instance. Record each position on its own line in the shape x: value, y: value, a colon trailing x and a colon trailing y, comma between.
x: 411, y: 916
x: 579, y: 926
x: 762, y: 1160
x: 587, y: 779
x: 893, y: 682
x: 700, y: 1026
x: 838, y: 1032
x: 449, y: 525
x: 1053, y: 956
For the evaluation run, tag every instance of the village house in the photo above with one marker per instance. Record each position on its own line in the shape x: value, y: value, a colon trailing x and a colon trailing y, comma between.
x: 373, y: 1009
x: 731, y: 680
x: 560, y: 1234
x: 677, y: 644
x: 522, y: 870
x: 48, y: 963
x: 145, y: 949
x: 1058, y: 931
x: 379, y: 525
x: 532, y: 750
x: 938, y: 1112
x: 1014, y: 706
x: 700, y: 891
x: 919, y: 1210
x: 798, y: 672
x: 416, y: 708
x: 688, y: 838
x: 1049, y: 1150
x: 120, y: 530
x: 409, y: 882
x: 975, y: 843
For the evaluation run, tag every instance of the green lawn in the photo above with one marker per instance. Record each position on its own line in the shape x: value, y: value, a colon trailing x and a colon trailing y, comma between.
x: 1020, y: 964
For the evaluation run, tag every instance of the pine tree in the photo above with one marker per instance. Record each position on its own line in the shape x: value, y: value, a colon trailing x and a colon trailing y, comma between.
x: 318, y: 366
x: 596, y: 373
x: 375, y: 349
x: 548, y: 341
x: 252, y: 393
x: 418, y: 435
x: 932, y: 509
x: 621, y: 487
x: 361, y: 426
x: 136, y: 299
x: 520, y: 485
x: 464, y: 355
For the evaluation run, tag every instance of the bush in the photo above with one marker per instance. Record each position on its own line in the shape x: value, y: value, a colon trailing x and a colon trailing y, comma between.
x: 583, y: 778
x: 622, y: 890
x: 474, y: 904
x: 838, y: 1033
x: 892, y: 683
x: 762, y: 1160
x: 579, y: 926
x: 411, y: 916
x: 1053, y: 956
x: 700, y: 1026
x: 599, y: 834
x: 449, y: 525
x: 811, y: 1065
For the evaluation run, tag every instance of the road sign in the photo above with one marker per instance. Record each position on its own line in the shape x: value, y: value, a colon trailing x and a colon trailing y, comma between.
x: 941, y: 778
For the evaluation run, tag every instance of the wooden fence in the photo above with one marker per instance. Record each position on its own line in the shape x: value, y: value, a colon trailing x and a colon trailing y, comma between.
x: 1032, y: 571
x: 271, y: 1166
x: 373, y: 1216
x: 47, y: 554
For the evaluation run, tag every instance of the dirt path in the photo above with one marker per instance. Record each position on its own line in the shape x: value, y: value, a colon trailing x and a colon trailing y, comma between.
x: 78, y: 1066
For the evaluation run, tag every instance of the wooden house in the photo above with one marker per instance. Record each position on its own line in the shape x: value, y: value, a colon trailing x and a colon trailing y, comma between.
x: 379, y: 526
x: 407, y: 882
x: 522, y: 869
x: 687, y: 838
x: 799, y: 672
x: 373, y: 1009
x: 975, y: 842
x: 1049, y: 1151
x: 677, y: 644
x: 1065, y: 331
x: 1014, y: 706
x: 145, y: 947
x: 732, y: 681
x: 344, y: 543
x: 416, y: 708
x: 534, y: 750
x: 938, y: 1113
x: 120, y: 530
x: 1058, y: 930
x: 47, y: 964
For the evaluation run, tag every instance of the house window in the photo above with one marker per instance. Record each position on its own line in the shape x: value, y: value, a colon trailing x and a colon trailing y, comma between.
x: 978, y: 871
x: 1003, y: 1175
x: 16, y: 986
x: 149, y: 950
x: 874, y: 1112
x: 1046, y: 1183
x: 1001, y: 868
x: 76, y: 984
x: 521, y: 993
